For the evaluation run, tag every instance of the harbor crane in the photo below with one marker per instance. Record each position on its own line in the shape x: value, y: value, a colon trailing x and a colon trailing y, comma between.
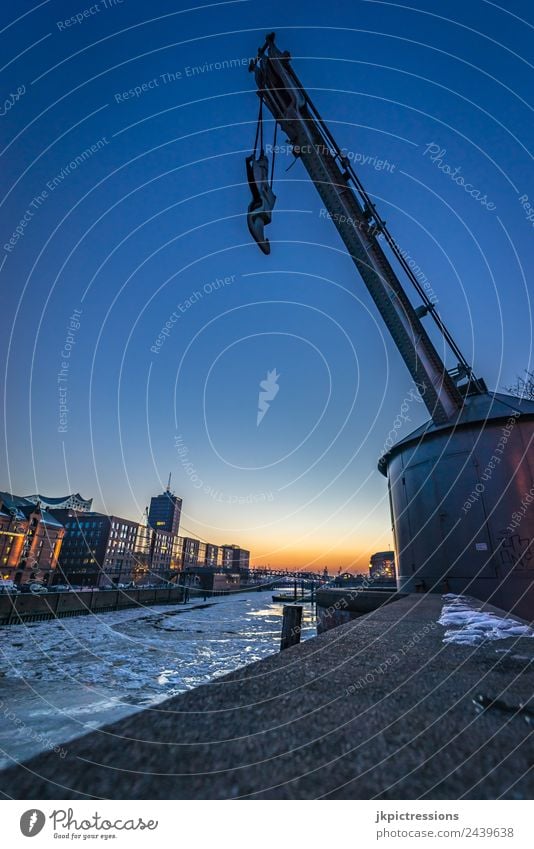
x: 445, y: 539
x: 359, y: 225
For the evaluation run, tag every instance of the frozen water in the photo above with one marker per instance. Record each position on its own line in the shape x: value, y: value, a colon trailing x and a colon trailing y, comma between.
x: 61, y: 678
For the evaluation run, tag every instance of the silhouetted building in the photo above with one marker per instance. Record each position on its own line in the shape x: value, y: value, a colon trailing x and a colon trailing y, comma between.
x: 164, y: 513
x: 65, y: 502
x: 235, y: 558
x: 382, y: 566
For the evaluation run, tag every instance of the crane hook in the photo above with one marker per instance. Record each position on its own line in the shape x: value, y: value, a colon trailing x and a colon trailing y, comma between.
x: 263, y: 197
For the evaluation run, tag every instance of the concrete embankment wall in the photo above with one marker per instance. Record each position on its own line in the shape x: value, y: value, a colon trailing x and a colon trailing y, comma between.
x: 37, y: 608
x: 26, y: 607
x: 336, y: 606
x: 379, y: 708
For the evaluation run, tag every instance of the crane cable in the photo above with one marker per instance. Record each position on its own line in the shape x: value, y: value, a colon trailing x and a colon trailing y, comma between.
x: 259, y: 128
x: 434, y: 314
x: 274, y: 152
x: 259, y: 136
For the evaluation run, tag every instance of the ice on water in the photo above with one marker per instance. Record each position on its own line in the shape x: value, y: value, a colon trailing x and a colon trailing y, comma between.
x: 62, y: 678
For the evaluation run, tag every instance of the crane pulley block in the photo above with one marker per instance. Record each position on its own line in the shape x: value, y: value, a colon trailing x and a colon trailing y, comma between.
x: 263, y: 199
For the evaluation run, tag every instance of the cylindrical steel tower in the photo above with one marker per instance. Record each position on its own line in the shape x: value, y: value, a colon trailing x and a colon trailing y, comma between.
x: 462, y: 504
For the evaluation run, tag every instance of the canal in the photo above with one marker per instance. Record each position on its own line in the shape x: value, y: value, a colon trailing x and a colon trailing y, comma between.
x: 62, y: 678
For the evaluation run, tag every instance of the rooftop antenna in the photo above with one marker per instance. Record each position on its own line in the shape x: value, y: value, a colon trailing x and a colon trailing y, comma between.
x: 169, y: 483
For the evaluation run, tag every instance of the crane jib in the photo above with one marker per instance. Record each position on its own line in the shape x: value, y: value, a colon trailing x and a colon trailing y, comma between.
x: 358, y: 225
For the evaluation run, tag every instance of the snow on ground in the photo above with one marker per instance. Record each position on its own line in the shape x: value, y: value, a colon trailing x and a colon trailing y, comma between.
x: 470, y: 626
x: 62, y: 678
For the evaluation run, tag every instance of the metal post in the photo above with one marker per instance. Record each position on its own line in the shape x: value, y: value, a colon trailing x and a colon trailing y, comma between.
x: 291, y: 625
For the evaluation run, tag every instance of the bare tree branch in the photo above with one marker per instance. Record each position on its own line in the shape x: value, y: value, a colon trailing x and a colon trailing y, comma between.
x: 524, y: 386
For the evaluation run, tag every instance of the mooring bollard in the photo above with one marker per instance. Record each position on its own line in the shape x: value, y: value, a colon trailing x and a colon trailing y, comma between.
x: 291, y: 625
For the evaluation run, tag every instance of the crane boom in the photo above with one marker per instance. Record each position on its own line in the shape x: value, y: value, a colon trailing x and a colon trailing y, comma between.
x: 358, y: 224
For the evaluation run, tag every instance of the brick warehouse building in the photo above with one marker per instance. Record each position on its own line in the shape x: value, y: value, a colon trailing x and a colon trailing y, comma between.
x: 30, y: 540
x: 13, y: 527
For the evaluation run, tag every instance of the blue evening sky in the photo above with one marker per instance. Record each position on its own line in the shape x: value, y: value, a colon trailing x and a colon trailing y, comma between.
x: 150, y: 222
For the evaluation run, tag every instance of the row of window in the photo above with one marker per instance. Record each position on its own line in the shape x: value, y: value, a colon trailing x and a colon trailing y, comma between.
x: 83, y: 524
x: 86, y: 524
x: 66, y: 561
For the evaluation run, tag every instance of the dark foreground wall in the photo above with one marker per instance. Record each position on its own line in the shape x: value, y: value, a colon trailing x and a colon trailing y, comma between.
x: 379, y: 707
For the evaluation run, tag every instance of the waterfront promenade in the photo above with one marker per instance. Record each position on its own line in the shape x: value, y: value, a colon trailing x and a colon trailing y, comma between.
x: 380, y: 707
